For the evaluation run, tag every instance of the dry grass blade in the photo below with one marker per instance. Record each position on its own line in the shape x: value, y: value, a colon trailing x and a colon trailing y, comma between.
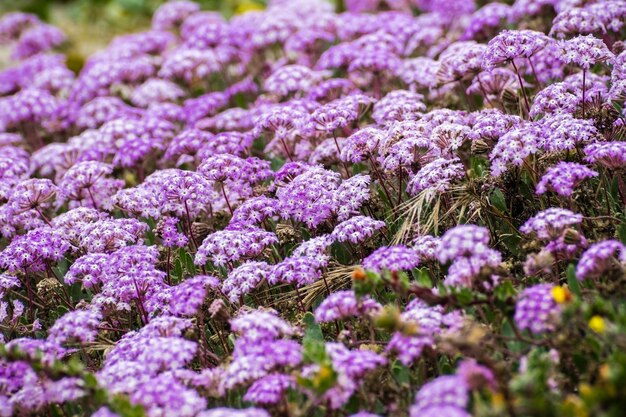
x: 413, y: 212
x: 337, y: 278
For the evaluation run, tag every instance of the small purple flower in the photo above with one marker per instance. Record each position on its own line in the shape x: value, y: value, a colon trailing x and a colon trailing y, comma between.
x: 291, y: 79
x: 35, y: 250
x: 514, y: 147
x: 575, y: 21
x: 187, y: 297
x: 427, y: 247
x: 270, y: 389
x: 585, y: 51
x: 447, y: 390
x: 38, y: 38
x: 509, y: 45
x: 436, y: 176
x: 173, y: 13
x: 536, y: 309
x: 549, y: 224
x: 297, y: 270
x: 463, y: 241
x: 357, y: 229
x: 344, y: 305
x: 244, y: 279
x: 563, y: 178
x: 228, y: 246
x: 75, y: 326
x: 391, y: 258
x: 609, y: 154
x: 599, y: 258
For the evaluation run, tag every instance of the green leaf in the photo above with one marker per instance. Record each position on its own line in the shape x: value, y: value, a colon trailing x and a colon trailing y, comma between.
x: 504, y: 291
x: 178, y: 269
x: 621, y: 232
x: 423, y: 278
x: 191, y: 267
x: 498, y: 200
x: 313, y: 347
x: 400, y: 373
x: 572, y: 282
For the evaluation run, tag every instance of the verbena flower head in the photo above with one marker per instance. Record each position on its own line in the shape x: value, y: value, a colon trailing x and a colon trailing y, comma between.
x: 460, y: 60
x: 392, y: 258
x: 156, y: 90
x: 463, y: 241
x: 228, y: 246
x: 291, y: 79
x: 309, y: 196
x: 88, y: 184
x: 427, y: 247
x: 514, y: 147
x: 27, y: 106
x: 609, y: 154
x: 258, y: 326
x: 357, y: 229
x: 36, y: 39
x: 436, y: 176
x: 431, y: 321
x: 173, y: 13
x: 485, y: 20
x: 564, y: 132
x: 32, y: 194
x: 563, y: 178
x: 600, y: 258
x: 575, y: 21
x: 270, y: 389
x: 297, y: 270
x: 186, y: 298
x: 549, y: 224
x: 106, y: 236
x: 536, y: 310
x: 75, y: 326
x: 446, y: 395
x: 344, y: 305
x: 554, y: 99
x: 509, y: 45
x: 362, y: 145
x: 585, y: 51
x: 34, y: 251
x: 14, y: 23
x: 244, y: 279
x: 398, y: 105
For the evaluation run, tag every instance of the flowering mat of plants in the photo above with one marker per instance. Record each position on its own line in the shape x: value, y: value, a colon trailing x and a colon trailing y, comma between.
x: 409, y: 208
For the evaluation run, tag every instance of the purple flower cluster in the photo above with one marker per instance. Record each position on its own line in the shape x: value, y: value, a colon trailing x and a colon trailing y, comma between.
x: 536, y: 310
x: 563, y: 178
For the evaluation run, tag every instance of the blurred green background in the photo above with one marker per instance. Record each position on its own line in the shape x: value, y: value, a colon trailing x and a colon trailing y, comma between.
x: 91, y: 24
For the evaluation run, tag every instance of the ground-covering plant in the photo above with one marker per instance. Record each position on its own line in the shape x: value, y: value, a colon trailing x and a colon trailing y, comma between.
x: 406, y: 208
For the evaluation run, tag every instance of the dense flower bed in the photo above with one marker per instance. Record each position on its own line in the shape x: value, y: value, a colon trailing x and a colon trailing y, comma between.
x: 412, y: 207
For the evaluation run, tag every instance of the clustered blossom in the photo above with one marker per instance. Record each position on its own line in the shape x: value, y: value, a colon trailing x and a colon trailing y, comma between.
x: 466, y: 246
x: 345, y: 304
x: 563, y: 178
x: 392, y: 258
x: 228, y: 246
x: 357, y: 229
x: 436, y: 176
x: 430, y: 322
x: 600, y: 258
x: 536, y: 310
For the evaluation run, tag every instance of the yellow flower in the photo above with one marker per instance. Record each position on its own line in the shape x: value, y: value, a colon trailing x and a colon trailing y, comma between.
x: 597, y: 324
x: 248, y: 6
x: 561, y: 295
